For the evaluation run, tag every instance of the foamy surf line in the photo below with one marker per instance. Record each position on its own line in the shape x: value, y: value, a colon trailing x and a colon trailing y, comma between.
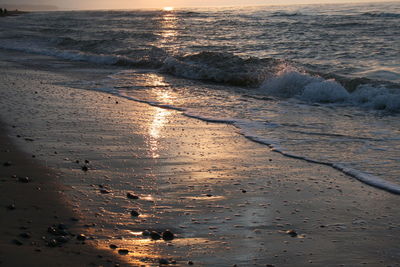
x: 363, y: 177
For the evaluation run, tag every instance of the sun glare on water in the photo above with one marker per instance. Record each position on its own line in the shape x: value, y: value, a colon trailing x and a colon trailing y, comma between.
x: 168, y: 8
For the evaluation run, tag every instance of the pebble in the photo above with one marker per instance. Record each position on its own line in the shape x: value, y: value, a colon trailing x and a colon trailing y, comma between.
x: 123, y: 251
x: 81, y: 237
x: 146, y: 233
x: 155, y: 236
x: 131, y: 196
x: 24, y: 179
x: 292, y: 233
x: 84, y: 168
x: 62, y: 239
x: 52, y: 243
x: 190, y: 262
x: 168, y: 235
x: 25, y: 235
x: 163, y: 261
x: 62, y: 226
x: 11, y: 207
x: 17, y: 242
x: 105, y: 191
x: 112, y: 246
x: 134, y: 213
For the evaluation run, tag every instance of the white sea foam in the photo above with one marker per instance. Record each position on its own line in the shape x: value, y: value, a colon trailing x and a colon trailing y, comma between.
x: 294, y: 84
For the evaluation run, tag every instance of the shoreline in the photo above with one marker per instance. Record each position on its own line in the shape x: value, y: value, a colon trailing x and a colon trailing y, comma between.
x: 228, y: 200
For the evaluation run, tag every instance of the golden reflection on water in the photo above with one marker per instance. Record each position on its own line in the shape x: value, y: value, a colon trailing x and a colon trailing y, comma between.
x: 168, y: 30
x: 160, y: 118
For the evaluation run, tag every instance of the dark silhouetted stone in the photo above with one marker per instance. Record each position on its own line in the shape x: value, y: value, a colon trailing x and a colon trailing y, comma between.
x: 112, y: 246
x: 123, y: 251
x: 168, y: 235
x: 134, y: 213
x: 155, y: 236
x: 163, y: 261
x: 62, y: 239
x: 81, y: 237
x: 25, y: 235
x: 24, y: 179
x: 17, y: 242
x: 292, y: 233
x: 11, y: 207
x: 146, y: 233
x: 105, y: 191
x: 131, y: 196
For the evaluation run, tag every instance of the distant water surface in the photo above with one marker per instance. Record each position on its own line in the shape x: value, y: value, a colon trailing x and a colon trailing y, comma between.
x: 317, y: 82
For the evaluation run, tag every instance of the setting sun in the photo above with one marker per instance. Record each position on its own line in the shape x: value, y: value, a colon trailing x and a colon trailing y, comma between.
x: 168, y: 8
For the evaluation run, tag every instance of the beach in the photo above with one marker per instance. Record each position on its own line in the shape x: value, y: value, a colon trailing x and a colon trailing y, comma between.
x: 228, y: 201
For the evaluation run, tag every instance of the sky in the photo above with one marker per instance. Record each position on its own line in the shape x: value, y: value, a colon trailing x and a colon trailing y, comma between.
x: 135, y: 4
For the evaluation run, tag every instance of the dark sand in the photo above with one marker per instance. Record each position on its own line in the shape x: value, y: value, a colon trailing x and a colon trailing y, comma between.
x: 28, y: 209
x: 228, y: 200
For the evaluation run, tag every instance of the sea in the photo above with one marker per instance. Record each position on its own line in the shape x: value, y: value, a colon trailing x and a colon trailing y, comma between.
x: 319, y: 83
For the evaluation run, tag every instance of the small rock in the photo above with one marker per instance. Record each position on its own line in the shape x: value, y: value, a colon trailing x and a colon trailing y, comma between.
x: 62, y: 226
x: 168, y: 235
x: 7, y: 164
x: 134, y: 213
x: 244, y: 191
x: 123, y: 251
x: 163, y: 261
x: 62, y: 239
x: 292, y: 233
x: 11, y: 207
x: 112, y: 246
x: 190, y: 262
x: 24, y: 179
x: 17, y: 242
x: 105, y: 191
x: 52, y: 243
x: 25, y: 235
x: 52, y: 230
x: 85, y: 168
x: 86, y: 161
x: 81, y: 237
x: 131, y: 196
x: 155, y: 236
x: 146, y: 233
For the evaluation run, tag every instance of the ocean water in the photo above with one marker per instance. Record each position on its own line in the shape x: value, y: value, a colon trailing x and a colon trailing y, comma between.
x: 319, y: 83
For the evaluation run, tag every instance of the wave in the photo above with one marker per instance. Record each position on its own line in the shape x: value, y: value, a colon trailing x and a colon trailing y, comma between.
x: 294, y: 84
x: 148, y: 61
x: 220, y: 67
x: 381, y: 14
x: 286, y: 14
x: 268, y: 76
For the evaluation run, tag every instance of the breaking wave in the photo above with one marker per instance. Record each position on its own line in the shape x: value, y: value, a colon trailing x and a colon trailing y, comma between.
x: 266, y: 76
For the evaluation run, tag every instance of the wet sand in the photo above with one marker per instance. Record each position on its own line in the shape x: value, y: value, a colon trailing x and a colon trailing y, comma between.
x: 228, y: 200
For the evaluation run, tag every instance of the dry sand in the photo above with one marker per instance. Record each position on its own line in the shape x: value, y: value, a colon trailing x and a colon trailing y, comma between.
x: 228, y: 200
